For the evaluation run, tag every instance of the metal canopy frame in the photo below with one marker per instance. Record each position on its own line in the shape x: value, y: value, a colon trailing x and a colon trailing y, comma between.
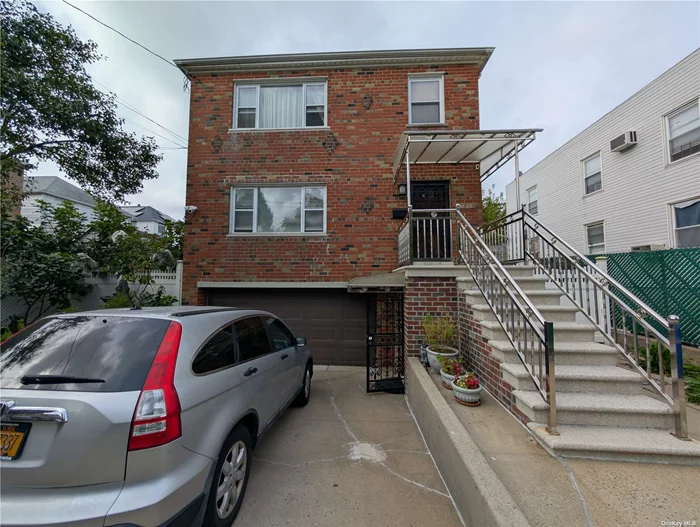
x: 490, y: 149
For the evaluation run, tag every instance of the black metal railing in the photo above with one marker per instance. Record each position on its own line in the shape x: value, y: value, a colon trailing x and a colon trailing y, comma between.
x: 427, y: 236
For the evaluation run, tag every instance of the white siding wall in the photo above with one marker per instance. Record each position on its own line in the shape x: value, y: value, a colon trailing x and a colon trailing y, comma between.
x: 30, y: 210
x: 147, y: 226
x: 638, y: 184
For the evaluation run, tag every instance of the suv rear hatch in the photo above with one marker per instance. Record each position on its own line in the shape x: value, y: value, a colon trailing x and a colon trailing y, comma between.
x: 70, y: 387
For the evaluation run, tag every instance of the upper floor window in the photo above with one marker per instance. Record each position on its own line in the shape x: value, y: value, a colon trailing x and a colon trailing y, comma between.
x: 294, y: 105
x: 279, y: 209
x: 686, y: 223
x: 595, y: 238
x: 532, y: 200
x: 592, y: 174
x: 426, y: 100
x: 684, y: 132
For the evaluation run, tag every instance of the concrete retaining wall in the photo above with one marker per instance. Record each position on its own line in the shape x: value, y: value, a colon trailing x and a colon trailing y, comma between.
x: 479, y: 495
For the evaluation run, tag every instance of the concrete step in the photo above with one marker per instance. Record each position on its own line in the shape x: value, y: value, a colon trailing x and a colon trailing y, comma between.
x: 563, y: 331
x: 531, y: 282
x: 641, y: 445
x: 579, y: 379
x: 581, y: 353
x: 520, y: 270
x: 553, y: 313
x: 592, y: 409
x: 538, y: 297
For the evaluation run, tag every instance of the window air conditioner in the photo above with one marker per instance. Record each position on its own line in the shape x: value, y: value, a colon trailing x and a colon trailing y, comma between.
x: 623, y: 142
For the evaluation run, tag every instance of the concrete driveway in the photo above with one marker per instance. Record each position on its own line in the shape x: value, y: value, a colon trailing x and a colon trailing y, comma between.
x: 348, y: 458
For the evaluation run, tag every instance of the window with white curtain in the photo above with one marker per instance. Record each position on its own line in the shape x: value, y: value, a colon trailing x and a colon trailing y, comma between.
x: 683, y: 127
x: 300, y: 105
x: 592, y: 174
x: 532, y: 200
x: 278, y: 209
x: 686, y: 223
x: 595, y: 236
x: 425, y: 100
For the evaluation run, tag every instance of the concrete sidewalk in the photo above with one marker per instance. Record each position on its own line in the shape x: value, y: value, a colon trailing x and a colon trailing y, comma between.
x: 576, y: 492
x: 347, y: 459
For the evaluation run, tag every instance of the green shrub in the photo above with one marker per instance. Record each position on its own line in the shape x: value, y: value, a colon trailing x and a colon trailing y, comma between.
x: 440, y: 331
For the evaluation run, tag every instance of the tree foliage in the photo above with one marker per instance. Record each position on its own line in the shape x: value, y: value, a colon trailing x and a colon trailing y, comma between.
x: 493, y: 205
x: 50, y: 111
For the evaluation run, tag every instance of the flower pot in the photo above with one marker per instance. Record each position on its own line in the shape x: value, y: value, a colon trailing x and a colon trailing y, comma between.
x: 467, y: 397
x: 447, y: 379
x: 434, y: 351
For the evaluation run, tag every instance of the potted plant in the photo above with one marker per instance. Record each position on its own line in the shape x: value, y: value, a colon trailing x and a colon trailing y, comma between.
x: 441, y: 333
x: 467, y: 390
x: 451, y: 369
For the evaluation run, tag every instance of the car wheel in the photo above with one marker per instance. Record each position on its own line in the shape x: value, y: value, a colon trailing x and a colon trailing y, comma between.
x: 230, y: 479
x: 303, y: 397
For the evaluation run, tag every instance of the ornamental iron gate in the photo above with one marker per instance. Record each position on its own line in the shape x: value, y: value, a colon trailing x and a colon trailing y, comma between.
x: 385, y: 372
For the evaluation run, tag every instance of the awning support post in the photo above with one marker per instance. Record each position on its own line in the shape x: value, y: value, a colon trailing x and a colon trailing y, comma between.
x: 408, y: 172
x: 517, y: 176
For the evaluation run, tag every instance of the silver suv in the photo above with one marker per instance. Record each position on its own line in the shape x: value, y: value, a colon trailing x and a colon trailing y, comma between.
x: 141, y: 417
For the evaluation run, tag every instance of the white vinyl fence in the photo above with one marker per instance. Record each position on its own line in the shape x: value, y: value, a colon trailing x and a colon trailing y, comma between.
x: 101, y: 287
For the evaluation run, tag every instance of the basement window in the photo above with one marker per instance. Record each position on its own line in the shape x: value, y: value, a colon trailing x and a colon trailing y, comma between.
x: 278, y: 210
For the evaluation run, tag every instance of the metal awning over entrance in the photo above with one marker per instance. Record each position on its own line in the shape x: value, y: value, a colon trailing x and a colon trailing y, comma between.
x: 490, y: 149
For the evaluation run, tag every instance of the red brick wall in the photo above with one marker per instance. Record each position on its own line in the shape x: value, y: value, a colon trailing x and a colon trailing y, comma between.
x: 435, y: 296
x: 476, y: 352
x: 361, y: 236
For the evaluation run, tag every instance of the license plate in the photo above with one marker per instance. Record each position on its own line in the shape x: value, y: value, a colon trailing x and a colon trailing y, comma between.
x: 13, y: 436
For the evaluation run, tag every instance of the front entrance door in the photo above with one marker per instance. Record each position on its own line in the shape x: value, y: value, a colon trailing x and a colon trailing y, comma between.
x: 385, y: 371
x: 432, y: 231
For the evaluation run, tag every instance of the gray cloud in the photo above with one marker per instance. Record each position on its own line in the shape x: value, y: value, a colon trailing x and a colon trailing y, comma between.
x: 557, y: 65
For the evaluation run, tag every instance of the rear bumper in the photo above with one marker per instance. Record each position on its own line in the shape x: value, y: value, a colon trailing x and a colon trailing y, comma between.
x: 164, y: 487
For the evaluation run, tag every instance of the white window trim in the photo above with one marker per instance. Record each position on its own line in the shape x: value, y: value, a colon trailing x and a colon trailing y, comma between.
x: 289, y: 81
x: 583, y: 173
x: 527, y: 195
x: 417, y: 77
x: 667, y: 133
x: 255, y: 187
x: 672, y: 218
x: 605, y: 236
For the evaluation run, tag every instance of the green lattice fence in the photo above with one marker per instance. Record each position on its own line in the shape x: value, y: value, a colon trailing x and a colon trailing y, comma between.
x: 668, y: 281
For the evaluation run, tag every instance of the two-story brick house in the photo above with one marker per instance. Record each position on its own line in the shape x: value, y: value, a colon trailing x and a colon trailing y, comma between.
x: 293, y: 169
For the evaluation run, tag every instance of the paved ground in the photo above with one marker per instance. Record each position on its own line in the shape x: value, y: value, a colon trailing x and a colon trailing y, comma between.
x: 347, y: 459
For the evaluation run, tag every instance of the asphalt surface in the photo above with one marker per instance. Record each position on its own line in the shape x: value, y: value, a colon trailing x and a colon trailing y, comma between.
x: 347, y: 459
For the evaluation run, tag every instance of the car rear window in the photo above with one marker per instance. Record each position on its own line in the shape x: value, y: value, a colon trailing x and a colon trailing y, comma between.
x: 118, y: 350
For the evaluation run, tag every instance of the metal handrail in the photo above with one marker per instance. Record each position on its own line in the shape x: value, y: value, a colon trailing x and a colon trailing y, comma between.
x: 515, y: 315
x: 588, y: 288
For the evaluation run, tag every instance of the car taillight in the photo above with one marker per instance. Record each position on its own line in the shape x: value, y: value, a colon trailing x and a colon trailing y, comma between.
x: 157, y: 417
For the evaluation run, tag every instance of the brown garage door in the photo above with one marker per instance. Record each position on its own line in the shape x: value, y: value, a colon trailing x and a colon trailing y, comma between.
x: 333, y: 321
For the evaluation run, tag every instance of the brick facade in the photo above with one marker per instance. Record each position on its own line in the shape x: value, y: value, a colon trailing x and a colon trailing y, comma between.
x: 476, y: 352
x: 367, y: 112
x: 426, y: 295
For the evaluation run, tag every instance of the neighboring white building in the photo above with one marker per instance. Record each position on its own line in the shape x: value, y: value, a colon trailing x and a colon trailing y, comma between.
x: 646, y: 196
x: 147, y: 219
x: 55, y: 191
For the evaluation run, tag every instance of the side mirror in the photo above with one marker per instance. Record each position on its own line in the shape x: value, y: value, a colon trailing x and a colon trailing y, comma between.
x: 301, y: 342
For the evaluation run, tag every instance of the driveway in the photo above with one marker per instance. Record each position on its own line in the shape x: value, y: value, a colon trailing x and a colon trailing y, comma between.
x: 348, y: 458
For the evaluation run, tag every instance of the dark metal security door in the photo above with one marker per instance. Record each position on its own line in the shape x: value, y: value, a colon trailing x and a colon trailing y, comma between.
x: 431, y: 236
x: 385, y: 372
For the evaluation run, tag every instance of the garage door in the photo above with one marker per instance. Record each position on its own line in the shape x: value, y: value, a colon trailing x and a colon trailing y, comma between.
x: 333, y: 321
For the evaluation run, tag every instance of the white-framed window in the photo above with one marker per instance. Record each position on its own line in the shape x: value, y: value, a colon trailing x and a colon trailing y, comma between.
x: 592, y: 174
x: 426, y: 100
x: 280, y: 105
x: 683, y: 131
x: 686, y: 223
x: 532, y: 200
x: 595, y: 237
x: 278, y: 209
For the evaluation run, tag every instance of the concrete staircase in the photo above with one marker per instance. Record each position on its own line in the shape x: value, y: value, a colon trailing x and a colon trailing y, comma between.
x: 603, y: 410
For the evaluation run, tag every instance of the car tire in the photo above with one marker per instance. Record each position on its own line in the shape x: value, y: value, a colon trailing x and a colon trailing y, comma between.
x: 229, y: 483
x: 303, y: 397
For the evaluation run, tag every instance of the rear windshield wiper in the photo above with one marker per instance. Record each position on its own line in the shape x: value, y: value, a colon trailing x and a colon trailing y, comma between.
x: 56, y: 379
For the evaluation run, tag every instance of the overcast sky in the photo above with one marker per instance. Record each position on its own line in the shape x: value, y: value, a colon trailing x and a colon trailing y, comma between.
x: 557, y: 65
